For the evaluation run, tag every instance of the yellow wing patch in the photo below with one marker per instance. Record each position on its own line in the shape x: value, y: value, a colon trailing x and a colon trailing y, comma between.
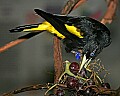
x: 48, y: 27
x: 74, y: 30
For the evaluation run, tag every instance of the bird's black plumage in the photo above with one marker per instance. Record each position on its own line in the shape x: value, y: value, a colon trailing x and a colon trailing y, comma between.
x: 96, y: 35
x: 21, y: 28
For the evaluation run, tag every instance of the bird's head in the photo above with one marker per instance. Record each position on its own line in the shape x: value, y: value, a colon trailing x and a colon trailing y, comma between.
x: 86, y: 55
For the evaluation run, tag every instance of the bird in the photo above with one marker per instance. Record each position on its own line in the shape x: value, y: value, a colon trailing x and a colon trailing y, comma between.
x: 81, y: 35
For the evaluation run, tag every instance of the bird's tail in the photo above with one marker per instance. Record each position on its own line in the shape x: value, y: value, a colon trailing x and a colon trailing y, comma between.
x: 24, y: 28
x: 52, y: 19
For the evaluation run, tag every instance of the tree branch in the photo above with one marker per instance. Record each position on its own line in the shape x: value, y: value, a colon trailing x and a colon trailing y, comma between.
x: 110, y: 13
x: 28, y: 88
x: 71, y: 5
x: 17, y: 41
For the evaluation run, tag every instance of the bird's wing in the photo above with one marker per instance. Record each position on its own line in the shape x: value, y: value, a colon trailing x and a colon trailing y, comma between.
x: 58, y: 22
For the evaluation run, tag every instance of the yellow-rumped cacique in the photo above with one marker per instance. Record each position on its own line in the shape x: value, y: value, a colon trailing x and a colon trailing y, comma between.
x: 77, y: 33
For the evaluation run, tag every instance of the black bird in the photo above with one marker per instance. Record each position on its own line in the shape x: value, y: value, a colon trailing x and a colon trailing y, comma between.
x: 77, y: 33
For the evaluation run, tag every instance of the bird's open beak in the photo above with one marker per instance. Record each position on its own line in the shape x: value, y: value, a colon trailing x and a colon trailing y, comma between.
x: 85, y: 62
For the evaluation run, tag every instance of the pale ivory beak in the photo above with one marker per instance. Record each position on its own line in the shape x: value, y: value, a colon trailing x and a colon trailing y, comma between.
x: 85, y: 62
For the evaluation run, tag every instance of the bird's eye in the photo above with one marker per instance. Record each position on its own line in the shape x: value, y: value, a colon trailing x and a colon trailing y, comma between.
x: 92, y: 54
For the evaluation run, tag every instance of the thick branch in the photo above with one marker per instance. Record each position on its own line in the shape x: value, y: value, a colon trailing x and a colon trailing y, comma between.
x: 58, y: 66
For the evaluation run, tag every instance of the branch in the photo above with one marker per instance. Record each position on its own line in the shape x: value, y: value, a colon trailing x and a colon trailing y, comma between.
x: 71, y: 5
x: 58, y: 66
x: 28, y: 88
x: 17, y: 41
x: 110, y: 13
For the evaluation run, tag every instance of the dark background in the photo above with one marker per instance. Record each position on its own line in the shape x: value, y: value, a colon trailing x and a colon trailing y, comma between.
x: 31, y: 62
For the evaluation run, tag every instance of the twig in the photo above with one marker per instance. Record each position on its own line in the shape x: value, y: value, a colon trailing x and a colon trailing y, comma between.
x: 28, y: 88
x: 79, y: 3
x: 16, y: 42
x: 71, y: 5
x: 112, y: 6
